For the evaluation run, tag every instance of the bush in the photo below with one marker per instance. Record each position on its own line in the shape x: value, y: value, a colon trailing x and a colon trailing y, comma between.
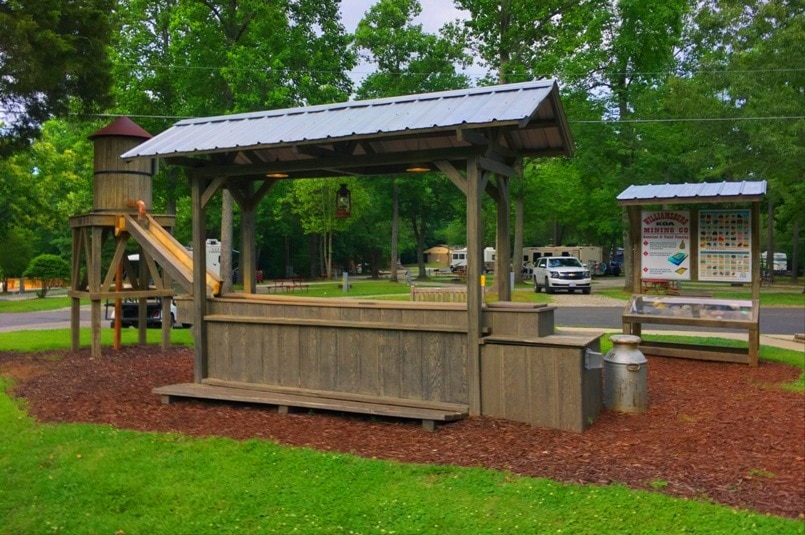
x: 49, y: 269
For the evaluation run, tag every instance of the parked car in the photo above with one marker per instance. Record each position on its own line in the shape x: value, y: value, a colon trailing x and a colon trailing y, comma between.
x: 561, y: 273
x: 130, y: 317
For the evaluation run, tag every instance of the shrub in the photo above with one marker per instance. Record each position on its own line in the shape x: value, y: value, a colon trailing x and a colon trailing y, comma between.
x: 49, y: 269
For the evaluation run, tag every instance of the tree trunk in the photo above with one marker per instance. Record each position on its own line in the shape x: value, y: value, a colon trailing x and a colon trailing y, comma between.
x: 770, y: 240
x: 795, y: 252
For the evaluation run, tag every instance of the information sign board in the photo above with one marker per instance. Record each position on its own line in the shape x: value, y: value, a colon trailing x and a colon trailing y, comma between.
x: 665, y: 244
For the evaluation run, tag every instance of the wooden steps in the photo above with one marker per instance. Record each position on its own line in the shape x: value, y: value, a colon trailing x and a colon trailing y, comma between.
x: 285, y: 400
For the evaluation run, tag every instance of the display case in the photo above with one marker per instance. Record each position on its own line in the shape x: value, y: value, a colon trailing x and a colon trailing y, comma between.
x: 695, y: 312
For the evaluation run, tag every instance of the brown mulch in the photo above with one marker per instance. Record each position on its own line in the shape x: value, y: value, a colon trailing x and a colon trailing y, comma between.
x: 719, y: 432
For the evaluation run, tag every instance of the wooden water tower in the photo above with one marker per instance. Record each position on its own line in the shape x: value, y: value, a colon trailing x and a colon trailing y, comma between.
x: 120, y: 189
x: 118, y: 183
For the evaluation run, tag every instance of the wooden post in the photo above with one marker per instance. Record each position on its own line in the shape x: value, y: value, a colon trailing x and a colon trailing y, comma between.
x: 94, y: 277
x: 475, y: 259
x: 755, y: 250
x: 75, y: 283
x: 634, y: 239
x: 503, y: 250
x: 199, y: 226
x: 248, y: 249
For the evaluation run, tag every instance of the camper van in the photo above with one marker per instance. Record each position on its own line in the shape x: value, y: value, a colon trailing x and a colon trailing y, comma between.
x: 780, y: 262
x: 458, y: 259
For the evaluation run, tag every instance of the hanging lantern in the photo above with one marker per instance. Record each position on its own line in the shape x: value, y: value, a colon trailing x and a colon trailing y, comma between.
x: 343, y: 203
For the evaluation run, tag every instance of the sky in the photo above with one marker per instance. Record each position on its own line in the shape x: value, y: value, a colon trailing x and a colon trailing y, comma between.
x: 434, y: 13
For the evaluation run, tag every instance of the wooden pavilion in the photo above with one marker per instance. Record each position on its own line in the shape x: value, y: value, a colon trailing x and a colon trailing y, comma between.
x: 429, y: 361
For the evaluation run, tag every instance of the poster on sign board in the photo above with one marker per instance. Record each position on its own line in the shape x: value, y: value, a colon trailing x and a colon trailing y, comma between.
x: 725, y: 238
x: 665, y: 244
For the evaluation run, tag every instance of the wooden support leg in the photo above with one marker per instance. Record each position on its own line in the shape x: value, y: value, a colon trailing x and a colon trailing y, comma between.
x: 429, y: 425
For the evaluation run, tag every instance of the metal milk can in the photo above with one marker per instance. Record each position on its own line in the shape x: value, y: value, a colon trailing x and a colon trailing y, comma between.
x: 625, y: 375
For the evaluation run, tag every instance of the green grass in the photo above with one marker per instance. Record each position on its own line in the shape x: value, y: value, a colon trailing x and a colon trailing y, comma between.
x: 33, y: 304
x: 54, y: 339
x: 77, y: 478
x: 783, y: 296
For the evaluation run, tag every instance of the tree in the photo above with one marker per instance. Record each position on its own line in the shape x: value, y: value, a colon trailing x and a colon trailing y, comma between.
x: 313, y: 201
x: 209, y: 57
x: 50, y: 270
x: 408, y: 61
x: 54, y: 55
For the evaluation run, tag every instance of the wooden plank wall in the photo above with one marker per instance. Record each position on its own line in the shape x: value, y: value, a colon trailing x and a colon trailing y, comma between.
x: 406, y: 353
x: 541, y: 385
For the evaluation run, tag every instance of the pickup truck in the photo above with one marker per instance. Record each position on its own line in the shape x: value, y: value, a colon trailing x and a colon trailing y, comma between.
x: 561, y: 273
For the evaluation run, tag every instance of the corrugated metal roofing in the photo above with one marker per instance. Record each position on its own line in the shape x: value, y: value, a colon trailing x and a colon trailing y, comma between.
x: 513, y: 104
x: 704, y: 191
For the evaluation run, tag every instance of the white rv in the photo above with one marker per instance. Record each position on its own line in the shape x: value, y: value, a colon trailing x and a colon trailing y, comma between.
x: 587, y: 254
x: 779, y: 261
x: 458, y: 259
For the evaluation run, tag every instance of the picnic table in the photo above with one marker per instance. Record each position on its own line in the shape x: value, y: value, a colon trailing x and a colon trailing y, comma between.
x: 287, y: 285
x: 660, y: 286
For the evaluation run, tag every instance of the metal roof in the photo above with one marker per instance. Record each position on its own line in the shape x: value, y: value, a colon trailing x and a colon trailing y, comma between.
x: 530, y: 113
x: 697, y: 192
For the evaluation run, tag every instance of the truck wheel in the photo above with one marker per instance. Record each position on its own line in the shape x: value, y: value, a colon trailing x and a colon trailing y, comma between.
x: 586, y: 290
x: 537, y: 287
x: 548, y: 288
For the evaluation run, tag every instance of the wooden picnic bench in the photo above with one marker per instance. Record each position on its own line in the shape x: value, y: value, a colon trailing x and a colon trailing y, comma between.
x: 287, y: 285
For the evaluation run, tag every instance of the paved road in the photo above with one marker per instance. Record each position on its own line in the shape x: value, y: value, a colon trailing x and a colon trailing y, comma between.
x: 772, y: 320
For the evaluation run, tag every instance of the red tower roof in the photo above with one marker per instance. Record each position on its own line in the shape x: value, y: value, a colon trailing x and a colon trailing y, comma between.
x: 122, y: 127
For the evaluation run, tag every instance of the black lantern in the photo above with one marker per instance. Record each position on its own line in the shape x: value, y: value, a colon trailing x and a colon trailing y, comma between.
x: 343, y: 203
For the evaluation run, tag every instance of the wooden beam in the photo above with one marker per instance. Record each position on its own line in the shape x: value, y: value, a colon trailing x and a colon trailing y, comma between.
x: 453, y: 175
x: 473, y: 137
x: 212, y: 188
x: 344, y: 163
x: 120, y: 251
x: 496, y: 167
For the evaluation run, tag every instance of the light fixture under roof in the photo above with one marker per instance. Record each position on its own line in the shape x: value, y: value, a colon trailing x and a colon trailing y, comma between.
x: 417, y: 167
x: 277, y: 175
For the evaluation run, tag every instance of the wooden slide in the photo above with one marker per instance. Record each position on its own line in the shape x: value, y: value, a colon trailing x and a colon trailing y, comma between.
x: 174, y: 258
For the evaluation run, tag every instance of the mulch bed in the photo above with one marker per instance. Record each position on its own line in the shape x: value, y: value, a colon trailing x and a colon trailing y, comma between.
x: 719, y: 432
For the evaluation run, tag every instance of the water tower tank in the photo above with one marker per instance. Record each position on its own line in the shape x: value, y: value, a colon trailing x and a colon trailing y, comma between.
x: 119, y: 184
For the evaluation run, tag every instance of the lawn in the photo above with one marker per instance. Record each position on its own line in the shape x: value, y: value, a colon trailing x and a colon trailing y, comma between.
x: 78, y: 478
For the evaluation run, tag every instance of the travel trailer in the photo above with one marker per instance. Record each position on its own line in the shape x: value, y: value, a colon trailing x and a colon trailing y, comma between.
x: 458, y: 259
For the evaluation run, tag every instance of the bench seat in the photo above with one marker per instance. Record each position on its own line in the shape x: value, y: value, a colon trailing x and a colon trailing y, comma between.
x: 429, y: 413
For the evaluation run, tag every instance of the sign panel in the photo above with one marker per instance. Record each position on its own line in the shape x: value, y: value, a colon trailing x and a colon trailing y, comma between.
x: 725, y: 245
x: 665, y: 244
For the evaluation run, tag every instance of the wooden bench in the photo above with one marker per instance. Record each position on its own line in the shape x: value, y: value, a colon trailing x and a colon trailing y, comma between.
x: 286, y: 285
x: 285, y: 399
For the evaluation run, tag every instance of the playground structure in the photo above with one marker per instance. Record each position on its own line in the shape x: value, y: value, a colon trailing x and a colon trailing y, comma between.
x: 432, y: 361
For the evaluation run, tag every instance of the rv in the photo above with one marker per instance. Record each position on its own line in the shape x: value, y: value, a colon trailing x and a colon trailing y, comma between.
x: 779, y: 262
x: 458, y: 259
